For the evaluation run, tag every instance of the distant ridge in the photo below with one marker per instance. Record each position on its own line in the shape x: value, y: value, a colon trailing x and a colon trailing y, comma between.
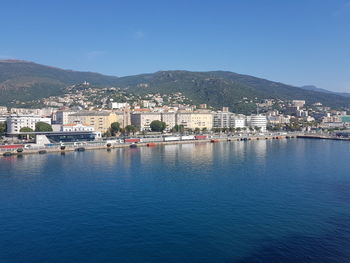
x: 25, y: 80
x: 314, y: 88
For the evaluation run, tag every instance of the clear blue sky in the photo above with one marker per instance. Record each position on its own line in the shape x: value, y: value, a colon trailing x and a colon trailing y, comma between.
x: 297, y: 42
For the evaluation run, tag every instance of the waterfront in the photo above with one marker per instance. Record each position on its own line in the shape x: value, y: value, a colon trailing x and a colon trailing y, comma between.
x: 255, y: 201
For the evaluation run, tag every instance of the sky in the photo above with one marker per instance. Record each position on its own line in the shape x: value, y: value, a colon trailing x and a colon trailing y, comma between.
x: 297, y: 42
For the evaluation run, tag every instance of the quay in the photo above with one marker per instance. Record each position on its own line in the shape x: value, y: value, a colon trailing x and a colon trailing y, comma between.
x: 99, y: 145
x: 323, y: 137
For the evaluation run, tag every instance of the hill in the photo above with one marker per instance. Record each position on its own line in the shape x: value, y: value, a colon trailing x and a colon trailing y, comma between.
x: 219, y: 88
x: 21, y: 80
x: 314, y: 88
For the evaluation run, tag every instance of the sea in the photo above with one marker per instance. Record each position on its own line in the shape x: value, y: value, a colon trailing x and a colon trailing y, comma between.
x: 254, y: 201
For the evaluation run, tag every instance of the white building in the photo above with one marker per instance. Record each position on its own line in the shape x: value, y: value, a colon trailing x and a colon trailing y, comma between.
x: 238, y: 122
x: 16, y: 122
x: 61, y: 117
x: 258, y: 121
x: 119, y: 105
x: 76, y: 128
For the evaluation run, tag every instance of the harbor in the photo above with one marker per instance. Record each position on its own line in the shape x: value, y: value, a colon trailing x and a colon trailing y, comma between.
x: 21, y: 149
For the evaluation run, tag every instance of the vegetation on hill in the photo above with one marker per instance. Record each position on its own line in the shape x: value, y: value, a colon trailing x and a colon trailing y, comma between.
x: 21, y: 81
x: 222, y: 88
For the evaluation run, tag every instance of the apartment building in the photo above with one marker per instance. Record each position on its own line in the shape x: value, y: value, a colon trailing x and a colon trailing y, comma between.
x: 16, y: 122
x: 100, y: 120
x: 142, y: 120
x: 193, y: 120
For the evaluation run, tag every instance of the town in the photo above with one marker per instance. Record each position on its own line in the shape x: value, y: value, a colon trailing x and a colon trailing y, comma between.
x: 88, y: 113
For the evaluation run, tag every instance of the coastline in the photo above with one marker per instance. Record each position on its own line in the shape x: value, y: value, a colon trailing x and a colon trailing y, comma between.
x: 57, y: 149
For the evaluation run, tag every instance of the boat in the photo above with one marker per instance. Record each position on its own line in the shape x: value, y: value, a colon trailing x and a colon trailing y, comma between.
x: 80, y: 149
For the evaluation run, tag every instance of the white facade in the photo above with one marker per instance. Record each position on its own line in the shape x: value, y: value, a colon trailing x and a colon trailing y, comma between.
x: 258, y: 121
x: 62, y: 116
x: 16, y: 122
x: 76, y: 128
x: 119, y: 105
x: 238, y: 122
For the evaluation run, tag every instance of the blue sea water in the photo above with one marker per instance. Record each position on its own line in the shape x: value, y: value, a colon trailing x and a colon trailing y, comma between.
x: 256, y: 201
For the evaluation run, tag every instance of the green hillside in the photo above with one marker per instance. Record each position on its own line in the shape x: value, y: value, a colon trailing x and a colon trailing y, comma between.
x: 20, y: 80
x: 222, y: 88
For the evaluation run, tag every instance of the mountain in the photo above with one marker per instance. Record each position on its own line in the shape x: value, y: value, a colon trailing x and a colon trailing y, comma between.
x: 220, y: 88
x: 314, y: 88
x: 21, y: 80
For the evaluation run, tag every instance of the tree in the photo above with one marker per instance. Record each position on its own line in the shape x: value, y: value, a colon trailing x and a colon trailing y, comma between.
x: 178, y: 128
x: 42, y: 127
x: 115, y: 128
x: 107, y: 133
x: 157, y: 126
x: 197, y: 130
x: 25, y: 129
x: 130, y: 129
x: 2, y: 128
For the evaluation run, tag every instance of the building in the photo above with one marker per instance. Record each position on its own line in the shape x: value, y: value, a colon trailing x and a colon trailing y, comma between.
x: 16, y: 122
x: 222, y: 119
x: 238, y: 122
x: 123, y: 117
x: 193, y: 120
x: 78, y: 127
x: 228, y: 120
x: 258, y: 121
x: 61, y: 116
x: 3, y: 110
x: 119, y: 105
x: 298, y: 103
x: 170, y: 119
x: 100, y: 120
x: 142, y: 120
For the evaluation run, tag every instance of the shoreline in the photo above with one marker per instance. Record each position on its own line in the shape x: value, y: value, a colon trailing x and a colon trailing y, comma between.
x: 44, y: 150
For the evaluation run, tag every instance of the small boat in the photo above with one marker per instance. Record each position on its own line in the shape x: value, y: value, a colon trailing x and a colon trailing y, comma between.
x: 133, y: 145
x: 80, y: 149
x: 7, y: 153
x: 42, y: 152
x: 63, y: 147
x: 19, y: 150
x: 151, y: 144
